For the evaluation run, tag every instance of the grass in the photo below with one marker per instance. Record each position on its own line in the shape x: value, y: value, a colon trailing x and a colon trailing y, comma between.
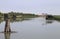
x: 56, y: 17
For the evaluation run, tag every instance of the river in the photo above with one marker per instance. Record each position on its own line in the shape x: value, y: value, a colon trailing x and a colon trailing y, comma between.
x: 35, y: 28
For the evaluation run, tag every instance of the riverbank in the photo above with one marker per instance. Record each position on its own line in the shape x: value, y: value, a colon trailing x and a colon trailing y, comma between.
x: 17, y: 14
x: 53, y: 17
x: 57, y: 17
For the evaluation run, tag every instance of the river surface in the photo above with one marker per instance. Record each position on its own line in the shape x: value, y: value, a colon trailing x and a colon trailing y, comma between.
x: 36, y: 28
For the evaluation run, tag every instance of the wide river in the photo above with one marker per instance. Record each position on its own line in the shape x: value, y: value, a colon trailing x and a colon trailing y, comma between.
x: 36, y: 28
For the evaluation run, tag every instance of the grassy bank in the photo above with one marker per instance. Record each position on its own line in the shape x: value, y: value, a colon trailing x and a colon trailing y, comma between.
x: 57, y: 17
x: 18, y: 14
x: 54, y: 17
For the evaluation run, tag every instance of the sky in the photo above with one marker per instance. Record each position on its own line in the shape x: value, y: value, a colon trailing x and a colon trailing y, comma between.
x: 31, y: 6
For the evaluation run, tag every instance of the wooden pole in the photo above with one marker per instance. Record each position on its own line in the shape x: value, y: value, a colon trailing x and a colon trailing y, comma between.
x: 7, y: 26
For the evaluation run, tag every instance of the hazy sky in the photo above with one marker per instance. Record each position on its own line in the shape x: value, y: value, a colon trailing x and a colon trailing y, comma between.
x: 33, y: 6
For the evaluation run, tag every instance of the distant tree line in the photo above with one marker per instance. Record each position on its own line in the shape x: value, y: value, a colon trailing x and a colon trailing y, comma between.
x: 18, y: 14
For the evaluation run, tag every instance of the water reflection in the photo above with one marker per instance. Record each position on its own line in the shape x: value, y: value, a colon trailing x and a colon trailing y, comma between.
x: 22, y: 19
x: 15, y: 19
x: 1, y: 20
x: 19, y: 19
x: 49, y: 21
x: 7, y: 35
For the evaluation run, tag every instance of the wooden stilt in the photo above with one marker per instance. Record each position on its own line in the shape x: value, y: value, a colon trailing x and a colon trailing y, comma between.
x: 7, y: 26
